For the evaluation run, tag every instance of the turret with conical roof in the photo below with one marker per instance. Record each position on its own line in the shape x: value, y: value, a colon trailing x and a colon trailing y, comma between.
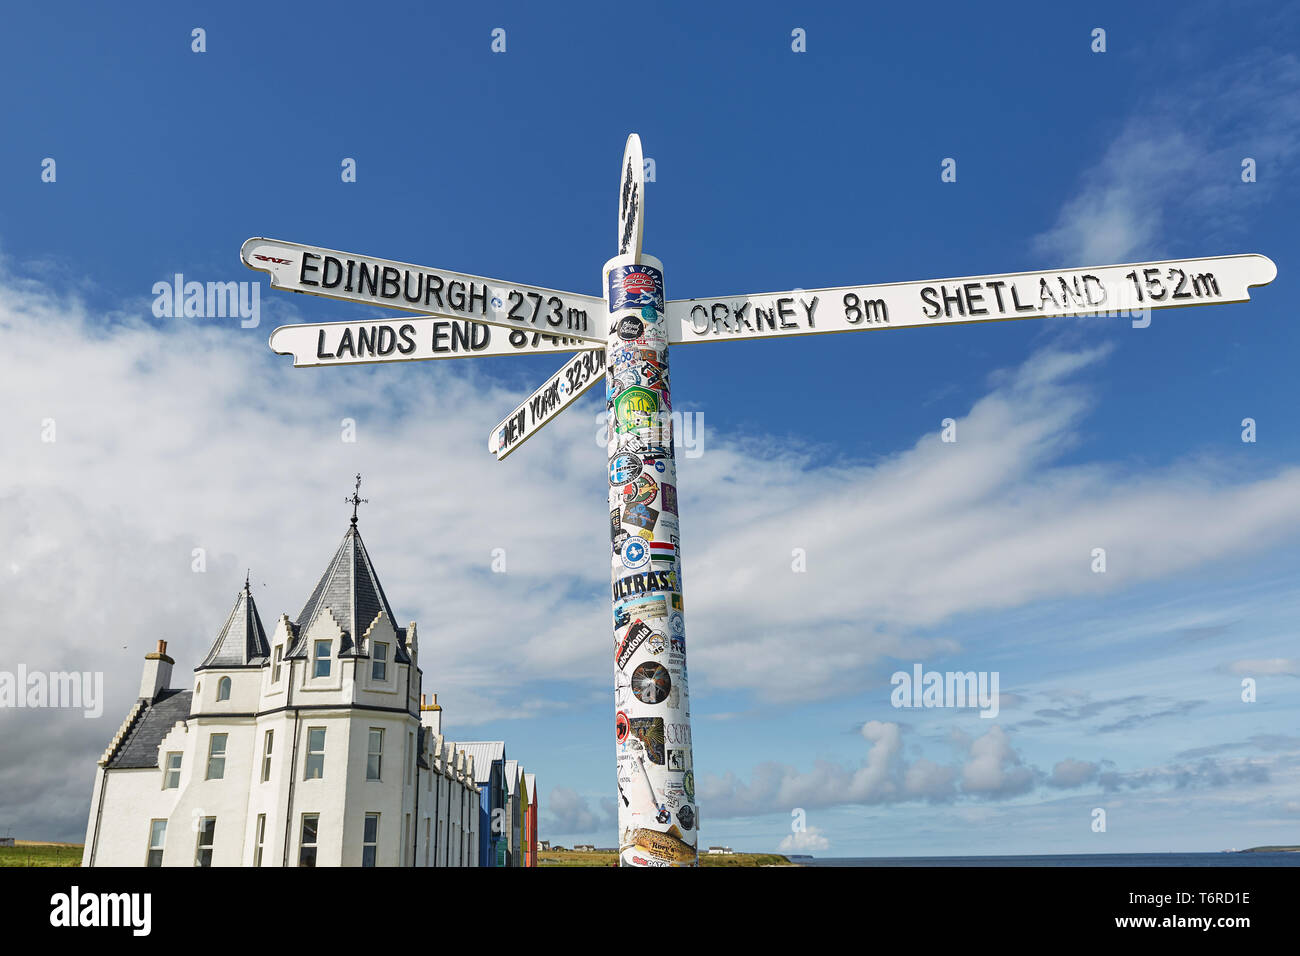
x: 242, y: 641
x: 350, y: 592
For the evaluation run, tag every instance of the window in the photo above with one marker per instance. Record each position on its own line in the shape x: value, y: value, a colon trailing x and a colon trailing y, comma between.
x: 315, y: 753
x: 375, y: 754
x: 216, y: 756
x: 322, y: 655
x: 426, y: 841
x: 307, y: 845
x: 410, y: 755
x: 157, y: 836
x: 370, y: 840
x: 275, y: 668
x: 266, y: 755
x: 207, y: 836
x: 261, y: 838
x: 406, y: 838
x: 223, y: 689
x: 379, y: 663
x: 172, y: 776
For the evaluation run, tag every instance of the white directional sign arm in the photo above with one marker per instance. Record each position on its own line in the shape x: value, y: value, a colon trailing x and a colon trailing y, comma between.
x: 428, y: 291
x: 1128, y: 289
x: 411, y: 339
x: 558, y: 392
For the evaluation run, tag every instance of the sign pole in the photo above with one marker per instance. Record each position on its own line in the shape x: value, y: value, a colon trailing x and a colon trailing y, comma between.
x: 657, y: 817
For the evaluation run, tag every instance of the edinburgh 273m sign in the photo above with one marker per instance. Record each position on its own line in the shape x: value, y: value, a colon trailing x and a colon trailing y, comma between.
x: 622, y: 339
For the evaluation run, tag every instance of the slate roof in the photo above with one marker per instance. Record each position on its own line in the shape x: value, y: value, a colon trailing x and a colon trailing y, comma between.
x: 243, y: 640
x: 139, y: 748
x: 350, y: 590
x: 485, y: 752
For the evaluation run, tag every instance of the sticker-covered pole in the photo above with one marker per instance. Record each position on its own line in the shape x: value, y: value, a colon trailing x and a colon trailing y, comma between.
x: 657, y: 816
x: 657, y: 809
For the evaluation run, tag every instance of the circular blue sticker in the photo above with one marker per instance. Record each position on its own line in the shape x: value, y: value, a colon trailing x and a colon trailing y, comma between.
x: 624, y: 468
x: 635, y: 553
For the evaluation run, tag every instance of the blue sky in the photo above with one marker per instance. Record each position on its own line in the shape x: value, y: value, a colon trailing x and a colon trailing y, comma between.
x: 774, y: 170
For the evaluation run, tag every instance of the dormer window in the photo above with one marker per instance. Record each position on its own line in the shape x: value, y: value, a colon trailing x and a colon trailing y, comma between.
x: 223, y: 689
x: 321, y: 655
x: 275, y: 669
x: 379, y: 663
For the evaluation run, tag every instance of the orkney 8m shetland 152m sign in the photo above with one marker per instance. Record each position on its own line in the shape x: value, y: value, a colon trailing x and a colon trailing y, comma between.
x: 1120, y: 290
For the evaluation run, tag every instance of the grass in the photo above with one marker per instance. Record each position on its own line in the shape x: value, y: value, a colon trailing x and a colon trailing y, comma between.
x: 576, y: 858
x: 28, y: 853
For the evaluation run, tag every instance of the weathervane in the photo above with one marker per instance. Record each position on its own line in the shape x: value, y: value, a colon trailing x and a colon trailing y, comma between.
x: 355, y: 498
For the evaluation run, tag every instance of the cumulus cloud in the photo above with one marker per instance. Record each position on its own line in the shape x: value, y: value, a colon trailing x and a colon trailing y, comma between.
x: 994, y: 768
x: 1071, y: 773
x: 811, y: 840
x: 991, y: 769
x: 568, y: 813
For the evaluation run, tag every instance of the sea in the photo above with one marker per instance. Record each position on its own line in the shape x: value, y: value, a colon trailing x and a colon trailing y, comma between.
x: 1071, y: 859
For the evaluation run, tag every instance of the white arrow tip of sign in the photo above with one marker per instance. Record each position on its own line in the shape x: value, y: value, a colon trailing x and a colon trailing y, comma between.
x: 246, y: 250
x: 271, y: 341
x: 1270, y: 271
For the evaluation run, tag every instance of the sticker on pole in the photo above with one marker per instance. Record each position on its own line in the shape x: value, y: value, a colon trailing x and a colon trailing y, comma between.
x: 560, y: 391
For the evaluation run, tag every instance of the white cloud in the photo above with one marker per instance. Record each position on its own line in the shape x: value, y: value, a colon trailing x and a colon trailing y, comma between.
x: 991, y: 769
x: 1178, y: 158
x: 1267, y: 667
x: 994, y: 768
x: 1070, y: 773
x: 811, y: 840
x: 567, y: 813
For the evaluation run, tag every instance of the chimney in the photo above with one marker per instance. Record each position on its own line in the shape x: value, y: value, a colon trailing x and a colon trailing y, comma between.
x: 157, y: 672
x: 431, y: 714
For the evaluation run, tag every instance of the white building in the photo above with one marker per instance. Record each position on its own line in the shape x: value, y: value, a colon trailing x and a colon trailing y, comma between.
x: 311, y: 748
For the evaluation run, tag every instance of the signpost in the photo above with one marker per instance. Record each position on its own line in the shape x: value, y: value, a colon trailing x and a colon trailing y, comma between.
x: 624, y: 339
x: 558, y: 392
